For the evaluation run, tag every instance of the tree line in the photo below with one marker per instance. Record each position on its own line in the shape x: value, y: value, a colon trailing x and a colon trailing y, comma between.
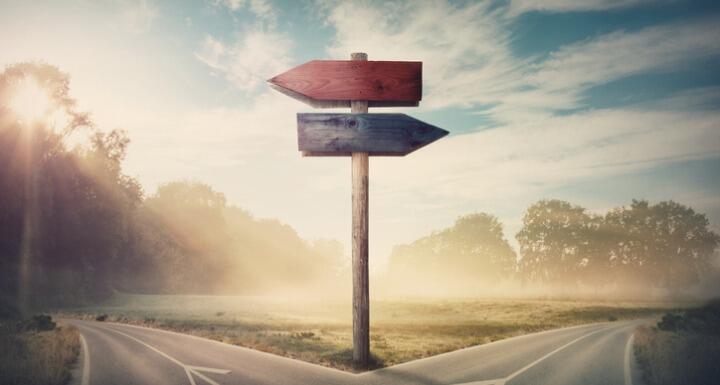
x: 666, y: 245
x: 74, y: 227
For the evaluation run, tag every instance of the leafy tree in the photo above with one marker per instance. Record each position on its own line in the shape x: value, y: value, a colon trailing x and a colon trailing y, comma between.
x: 63, y: 212
x: 666, y: 245
x: 463, y: 257
x: 74, y: 227
x: 555, y: 243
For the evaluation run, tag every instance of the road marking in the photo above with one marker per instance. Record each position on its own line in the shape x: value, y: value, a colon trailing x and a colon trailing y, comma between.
x: 211, y: 370
x: 86, y: 362
x: 628, y: 354
x: 503, y: 380
x: 189, y: 369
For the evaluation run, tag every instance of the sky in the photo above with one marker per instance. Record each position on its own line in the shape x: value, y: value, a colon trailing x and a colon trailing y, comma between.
x: 597, y: 102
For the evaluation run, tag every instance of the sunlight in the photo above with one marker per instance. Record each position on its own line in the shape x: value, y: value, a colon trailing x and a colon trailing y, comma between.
x: 30, y: 101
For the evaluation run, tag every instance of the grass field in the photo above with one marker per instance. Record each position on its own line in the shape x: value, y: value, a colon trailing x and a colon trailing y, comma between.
x: 683, y: 348
x: 320, y: 332
x: 36, y: 357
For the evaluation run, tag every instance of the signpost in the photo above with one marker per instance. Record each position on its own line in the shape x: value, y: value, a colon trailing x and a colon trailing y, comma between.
x: 358, y: 84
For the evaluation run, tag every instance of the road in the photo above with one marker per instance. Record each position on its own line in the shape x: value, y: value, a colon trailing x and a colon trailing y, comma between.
x: 585, y: 355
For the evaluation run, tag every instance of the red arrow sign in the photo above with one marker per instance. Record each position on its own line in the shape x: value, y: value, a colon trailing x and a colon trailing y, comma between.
x: 334, y: 83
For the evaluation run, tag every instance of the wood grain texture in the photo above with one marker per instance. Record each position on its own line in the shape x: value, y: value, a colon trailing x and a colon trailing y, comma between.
x: 360, y: 260
x: 334, y: 83
x: 360, y: 236
x: 376, y: 134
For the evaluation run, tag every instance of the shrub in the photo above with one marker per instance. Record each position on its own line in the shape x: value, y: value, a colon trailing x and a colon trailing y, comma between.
x: 40, y: 322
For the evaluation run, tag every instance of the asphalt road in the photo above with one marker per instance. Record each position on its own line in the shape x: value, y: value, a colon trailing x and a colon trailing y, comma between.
x: 584, y: 355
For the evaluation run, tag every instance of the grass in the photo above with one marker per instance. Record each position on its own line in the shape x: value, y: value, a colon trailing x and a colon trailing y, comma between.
x: 682, y: 349
x: 320, y: 332
x: 30, y: 356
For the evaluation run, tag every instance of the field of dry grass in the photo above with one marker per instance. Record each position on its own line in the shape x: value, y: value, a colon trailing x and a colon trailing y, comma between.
x: 683, y: 348
x: 671, y: 358
x: 320, y: 332
x: 32, y: 357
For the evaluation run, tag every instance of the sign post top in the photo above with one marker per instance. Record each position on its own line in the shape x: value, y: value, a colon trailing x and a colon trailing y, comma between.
x: 334, y: 83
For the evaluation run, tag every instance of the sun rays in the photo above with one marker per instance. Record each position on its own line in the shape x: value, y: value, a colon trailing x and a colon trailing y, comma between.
x: 30, y: 101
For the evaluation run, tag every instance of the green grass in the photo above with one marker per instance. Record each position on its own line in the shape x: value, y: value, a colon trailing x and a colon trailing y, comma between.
x: 32, y: 357
x: 320, y: 332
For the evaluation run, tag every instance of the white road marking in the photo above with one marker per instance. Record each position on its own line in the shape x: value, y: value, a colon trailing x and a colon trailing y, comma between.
x: 189, y: 369
x: 628, y: 355
x: 211, y: 370
x: 502, y: 381
x: 86, y: 362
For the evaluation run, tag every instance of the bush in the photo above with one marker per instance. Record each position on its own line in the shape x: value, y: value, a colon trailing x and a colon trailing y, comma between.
x: 40, y: 322
x: 670, y: 322
x: 705, y: 319
x: 101, y: 317
x: 674, y: 358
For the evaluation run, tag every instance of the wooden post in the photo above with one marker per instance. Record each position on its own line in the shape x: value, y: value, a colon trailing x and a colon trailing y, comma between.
x: 361, y: 291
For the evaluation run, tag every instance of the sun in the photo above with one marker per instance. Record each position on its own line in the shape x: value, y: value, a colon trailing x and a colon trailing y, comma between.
x: 30, y: 101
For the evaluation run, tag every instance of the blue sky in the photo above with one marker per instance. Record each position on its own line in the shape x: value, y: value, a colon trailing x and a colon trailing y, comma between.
x: 596, y: 101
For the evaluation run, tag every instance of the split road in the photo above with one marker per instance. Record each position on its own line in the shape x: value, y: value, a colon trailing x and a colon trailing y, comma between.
x: 584, y: 355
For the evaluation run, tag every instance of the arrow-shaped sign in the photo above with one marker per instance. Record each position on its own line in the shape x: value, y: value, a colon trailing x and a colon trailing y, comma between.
x: 334, y: 83
x: 358, y: 84
x: 376, y: 134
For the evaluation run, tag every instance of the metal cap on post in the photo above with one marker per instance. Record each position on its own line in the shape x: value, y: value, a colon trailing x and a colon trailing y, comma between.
x: 361, y: 287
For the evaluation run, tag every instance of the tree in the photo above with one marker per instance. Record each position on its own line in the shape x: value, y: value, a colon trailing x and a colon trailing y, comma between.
x: 555, y: 243
x: 63, y: 212
x: 666, y: 245
x: 462, y: 258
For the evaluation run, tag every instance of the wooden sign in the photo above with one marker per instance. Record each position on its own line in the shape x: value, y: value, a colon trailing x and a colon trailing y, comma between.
x: 358, y: 84
x: 334, y: 83
x: 376, y: 134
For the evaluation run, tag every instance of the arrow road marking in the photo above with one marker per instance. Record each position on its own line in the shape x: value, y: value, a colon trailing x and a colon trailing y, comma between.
x: 504, y: 380
x: 190, y: 370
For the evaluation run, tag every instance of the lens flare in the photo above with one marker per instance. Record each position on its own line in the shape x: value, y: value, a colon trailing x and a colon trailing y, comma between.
x: 30, y: 102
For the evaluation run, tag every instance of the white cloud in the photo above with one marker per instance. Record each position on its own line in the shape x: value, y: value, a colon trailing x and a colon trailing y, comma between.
x: 212, y: 53
x: 138, y: 16
x: 480, y: 69
x: 462, y: 49
x: 555, y: 151
x: 262, y: 9
x: 555, y: 6
x: 256, y: 56
x: 232, y: 5
x: 258, y: 52
x: 619, y: 54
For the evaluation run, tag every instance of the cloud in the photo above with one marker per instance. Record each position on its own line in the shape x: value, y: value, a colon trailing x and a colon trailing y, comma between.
x: 262, y: 9
x: 253, y: 58
x: 555, y: 151
x: 518, y: 7
x: 138, y: 16
x: 465, y: 50
x: 258, y: 52
x: 620, y: 54
x: 480, y: 70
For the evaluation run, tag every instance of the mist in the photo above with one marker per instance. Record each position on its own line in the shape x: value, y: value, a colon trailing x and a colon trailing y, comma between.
x: 76, y: 229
